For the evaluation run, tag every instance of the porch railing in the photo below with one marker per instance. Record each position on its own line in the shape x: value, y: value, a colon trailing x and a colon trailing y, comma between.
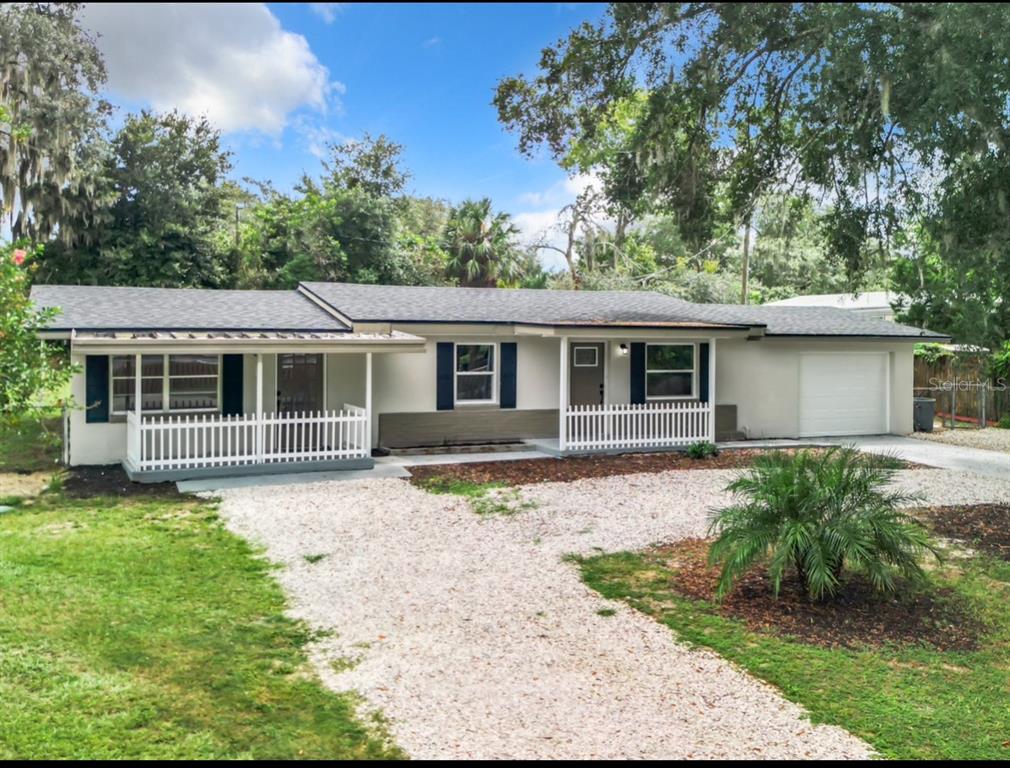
x: 648, y: 425
x: 196, y: 441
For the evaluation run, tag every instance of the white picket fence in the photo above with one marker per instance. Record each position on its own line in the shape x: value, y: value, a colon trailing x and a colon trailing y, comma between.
x: 646, y: 425
x: 196, y: 441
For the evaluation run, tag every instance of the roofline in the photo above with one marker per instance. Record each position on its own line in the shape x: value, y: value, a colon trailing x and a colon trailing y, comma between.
x: 323, y: 304
x: 691, y: 326
x: 195, y: 329
x: 343, y: 316
x: 882, y: 336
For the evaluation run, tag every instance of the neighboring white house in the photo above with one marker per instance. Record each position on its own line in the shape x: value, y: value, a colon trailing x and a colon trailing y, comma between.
x: 875, y: 304
x: 315, y: 378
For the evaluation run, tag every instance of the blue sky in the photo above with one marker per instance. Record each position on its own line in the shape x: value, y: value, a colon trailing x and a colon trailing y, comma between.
x: 425, y: 75
x: 282, y: 79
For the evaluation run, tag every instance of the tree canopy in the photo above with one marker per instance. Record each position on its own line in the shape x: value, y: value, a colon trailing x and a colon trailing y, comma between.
x: 724, y: 151
x: 50, y: 116
x: 158, y: 198
x: 892, y: 116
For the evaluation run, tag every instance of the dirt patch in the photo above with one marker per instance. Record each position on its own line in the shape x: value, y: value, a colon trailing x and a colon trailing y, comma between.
x: 23, y: 483
x: 111, y: 480
x: 857, y: 617
x: 528, y: 471
x: 985, y: 527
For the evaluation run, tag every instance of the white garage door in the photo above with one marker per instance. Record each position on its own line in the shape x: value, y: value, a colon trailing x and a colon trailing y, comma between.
x: 843, y: 394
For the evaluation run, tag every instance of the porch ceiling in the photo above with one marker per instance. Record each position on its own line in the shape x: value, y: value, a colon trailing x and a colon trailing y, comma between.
x: 99, y: 342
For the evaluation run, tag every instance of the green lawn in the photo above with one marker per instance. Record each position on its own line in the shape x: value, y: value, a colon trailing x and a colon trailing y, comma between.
x: 909, y: 703
x: 30, y: 446
x: 141, y: 628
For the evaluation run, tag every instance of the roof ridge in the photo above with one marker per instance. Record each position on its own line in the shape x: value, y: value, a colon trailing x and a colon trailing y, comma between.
x: 575, y: 291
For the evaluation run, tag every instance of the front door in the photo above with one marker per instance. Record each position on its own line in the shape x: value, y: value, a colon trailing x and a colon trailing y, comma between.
x: 299, y: 383
x: 585, y: 373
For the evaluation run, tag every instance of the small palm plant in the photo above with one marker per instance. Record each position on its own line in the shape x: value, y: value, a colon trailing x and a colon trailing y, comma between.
x: 819, y: 513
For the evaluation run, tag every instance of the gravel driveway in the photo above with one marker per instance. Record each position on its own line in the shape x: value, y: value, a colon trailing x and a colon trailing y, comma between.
x: 990, y: 439
x: 476, y: 639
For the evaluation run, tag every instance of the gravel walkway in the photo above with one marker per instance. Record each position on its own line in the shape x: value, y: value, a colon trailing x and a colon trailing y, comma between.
x: 476, y: 639
x: 991, y: 439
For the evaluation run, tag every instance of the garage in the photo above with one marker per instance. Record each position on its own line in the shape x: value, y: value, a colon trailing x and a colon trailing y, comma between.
x: 843, y: 394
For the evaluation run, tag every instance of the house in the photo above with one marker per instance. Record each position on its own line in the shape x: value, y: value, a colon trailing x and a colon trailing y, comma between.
x: 874, y: 304
x: 234, y: 382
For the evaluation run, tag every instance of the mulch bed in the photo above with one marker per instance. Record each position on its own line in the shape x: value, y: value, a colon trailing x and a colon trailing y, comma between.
x: 111, y: 480
x: 529, y: 471
x: 985, y: 527
x: 857, y: 617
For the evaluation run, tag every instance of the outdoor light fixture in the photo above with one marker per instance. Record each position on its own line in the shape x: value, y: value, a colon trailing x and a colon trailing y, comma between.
x: 622, y: 350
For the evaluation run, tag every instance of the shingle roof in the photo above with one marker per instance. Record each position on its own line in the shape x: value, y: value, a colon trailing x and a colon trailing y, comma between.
x: 809, y: 321
x: 397, y: 303
x: 388, y: 303
x: 98, y: 308
x: 88, y: 307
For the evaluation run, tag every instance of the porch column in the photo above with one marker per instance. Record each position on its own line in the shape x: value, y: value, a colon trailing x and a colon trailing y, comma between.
x: 368, y: 397
x: 563, y: 397
x: 259, y: 408
x: 137, y: 389
x: 711, y: 389
x: 138, y: 393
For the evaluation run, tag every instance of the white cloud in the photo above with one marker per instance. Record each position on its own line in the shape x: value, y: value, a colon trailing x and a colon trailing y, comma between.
x: 326, y: 11
x: 318, y: 138
x: 233, y: 64
x: 431, y: 42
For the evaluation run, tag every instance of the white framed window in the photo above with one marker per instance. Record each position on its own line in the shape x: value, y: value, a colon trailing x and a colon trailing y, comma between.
x: 190, y: 383
x: 476, y: 373
x: 585, y: 357
x: 193, y: 382
x: 670, y: 371
x: 152, y: 383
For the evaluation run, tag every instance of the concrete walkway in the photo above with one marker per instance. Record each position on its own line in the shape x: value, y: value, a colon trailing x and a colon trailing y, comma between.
x: 209, y: 484
x: 460, y: 458
x: 385, y: 467
x: 943, y: 456
x: 940, y: 455
x: 988, y: 463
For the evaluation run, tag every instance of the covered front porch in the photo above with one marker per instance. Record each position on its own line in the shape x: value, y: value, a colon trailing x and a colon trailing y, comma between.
x: 633, y: 393
x: 203, y: 405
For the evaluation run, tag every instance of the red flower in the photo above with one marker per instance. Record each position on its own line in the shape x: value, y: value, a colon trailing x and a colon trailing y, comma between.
x: 19, y: 257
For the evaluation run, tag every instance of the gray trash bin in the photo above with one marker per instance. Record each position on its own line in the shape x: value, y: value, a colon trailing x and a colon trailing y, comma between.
x: 924, y: 413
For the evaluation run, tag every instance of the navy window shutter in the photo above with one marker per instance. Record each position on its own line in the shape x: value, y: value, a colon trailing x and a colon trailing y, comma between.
x: 638, y: 372
x: 231, y: 385
x: 445, y: 398
x: 704, y: 385
x: 508, y: 375
x: 96, y: 389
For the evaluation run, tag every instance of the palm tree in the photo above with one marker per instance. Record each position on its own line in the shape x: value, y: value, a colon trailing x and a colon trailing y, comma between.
x: 818, y: 514
x: 481, y: 245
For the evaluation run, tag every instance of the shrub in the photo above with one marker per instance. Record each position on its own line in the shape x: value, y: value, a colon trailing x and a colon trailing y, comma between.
x: 932, y: 353
x: 999, y: 364
x: 702, y: 450
x: 819, y: 513
x: 1004, y: 421
x: 30, y: 368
